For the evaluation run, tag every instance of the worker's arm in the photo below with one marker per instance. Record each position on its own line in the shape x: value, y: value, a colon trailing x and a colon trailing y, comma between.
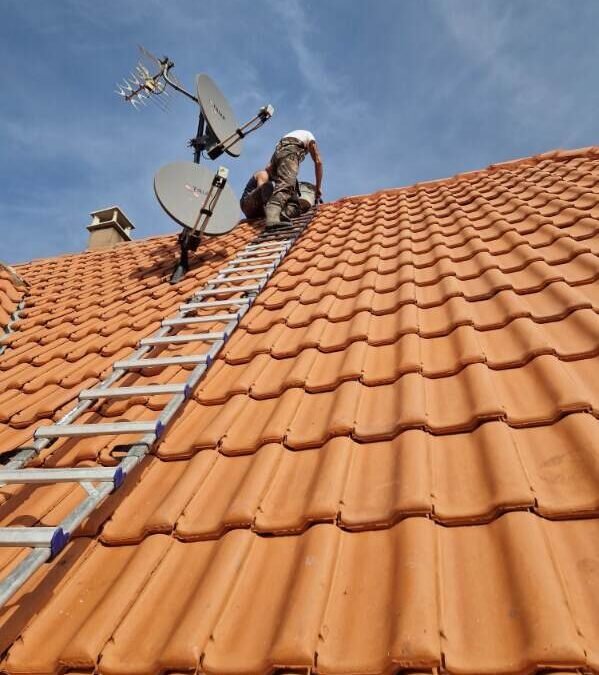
x: 261, y: 177
x: 313, y: 148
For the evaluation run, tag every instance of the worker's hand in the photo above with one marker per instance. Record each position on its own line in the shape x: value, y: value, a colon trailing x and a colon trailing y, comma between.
x: 318, y: 195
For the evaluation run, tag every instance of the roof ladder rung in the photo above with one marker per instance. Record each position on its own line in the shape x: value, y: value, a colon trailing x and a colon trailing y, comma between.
x: 244, y: 258
x: 109, y: 429
x: 278, y: 252
x: 230, y: 289
x: 47, y: 476
x: 279, y: 239
x: 179, y: 339
x: 241, y: 277
x: 212, y: 318
x: 36, y: 537
x: 125, y: 392
x: 286, y: 225
x: 163, y: 361
x: 246, y: 268
x: 272, y: 236
x: 268, y: 246
x: 210, y: 304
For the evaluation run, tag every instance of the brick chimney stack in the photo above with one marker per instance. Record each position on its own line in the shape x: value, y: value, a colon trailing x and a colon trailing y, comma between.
x: 109, y: 226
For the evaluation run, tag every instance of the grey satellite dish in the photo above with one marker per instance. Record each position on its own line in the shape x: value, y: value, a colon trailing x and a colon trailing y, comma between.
x: 220, y: 118
x: 182, y: 188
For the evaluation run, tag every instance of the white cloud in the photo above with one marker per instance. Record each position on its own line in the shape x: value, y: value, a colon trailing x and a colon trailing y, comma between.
x: 488, y: 33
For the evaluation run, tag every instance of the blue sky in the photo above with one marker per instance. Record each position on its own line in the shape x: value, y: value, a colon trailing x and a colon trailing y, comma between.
x: 396, y: 91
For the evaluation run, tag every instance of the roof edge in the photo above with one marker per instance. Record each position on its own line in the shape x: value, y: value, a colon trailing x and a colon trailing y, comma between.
x: 15, y: 277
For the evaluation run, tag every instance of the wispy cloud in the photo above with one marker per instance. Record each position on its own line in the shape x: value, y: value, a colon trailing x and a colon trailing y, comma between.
x: 328, y: 98
x: 490, y: 35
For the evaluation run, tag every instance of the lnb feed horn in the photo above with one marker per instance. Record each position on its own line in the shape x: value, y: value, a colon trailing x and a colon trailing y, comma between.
x: 210, y: 202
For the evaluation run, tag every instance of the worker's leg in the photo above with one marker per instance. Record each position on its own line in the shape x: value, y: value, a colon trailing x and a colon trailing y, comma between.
x: 253, y: 204
x: 286, y: 166
x: 266, y: 190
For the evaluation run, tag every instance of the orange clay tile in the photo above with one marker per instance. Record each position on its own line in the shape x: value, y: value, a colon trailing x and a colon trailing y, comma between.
x: 485, y: 599
x: 391, y: 466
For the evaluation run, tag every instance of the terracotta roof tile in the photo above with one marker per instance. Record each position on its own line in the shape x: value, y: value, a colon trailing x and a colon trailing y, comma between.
x: 392, y: 465
x: 227, y: 601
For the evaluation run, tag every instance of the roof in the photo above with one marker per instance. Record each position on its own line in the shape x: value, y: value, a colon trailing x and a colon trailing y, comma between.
x: 392, y: 465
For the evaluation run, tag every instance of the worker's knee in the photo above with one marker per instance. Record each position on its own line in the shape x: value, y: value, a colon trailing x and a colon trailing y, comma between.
x: 251, y: 210
x: 266, y: 191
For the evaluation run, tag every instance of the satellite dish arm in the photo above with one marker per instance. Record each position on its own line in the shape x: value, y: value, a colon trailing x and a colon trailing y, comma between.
x: 190, y: 238
x: 218, y: 183
x: 174, y: 85
x: 263, y: 115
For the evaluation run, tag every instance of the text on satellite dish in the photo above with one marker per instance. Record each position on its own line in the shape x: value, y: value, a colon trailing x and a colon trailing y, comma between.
x: 216, y: 109
x: 196, y: 191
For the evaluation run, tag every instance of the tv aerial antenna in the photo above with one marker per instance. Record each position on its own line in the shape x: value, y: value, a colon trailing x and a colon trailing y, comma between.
x: 217, y: 131
x: 202, y: 202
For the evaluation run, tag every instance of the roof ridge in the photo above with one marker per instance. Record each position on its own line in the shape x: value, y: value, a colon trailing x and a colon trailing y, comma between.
x: 559, y: 155
x: 99, y: 251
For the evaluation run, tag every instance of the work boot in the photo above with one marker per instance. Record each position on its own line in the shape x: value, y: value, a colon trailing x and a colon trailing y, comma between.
x: 273, y: 215
x: 291, y: 210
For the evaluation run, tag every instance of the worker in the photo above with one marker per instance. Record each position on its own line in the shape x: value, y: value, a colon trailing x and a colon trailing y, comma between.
x: 256, y: 193
x: 284, y: 167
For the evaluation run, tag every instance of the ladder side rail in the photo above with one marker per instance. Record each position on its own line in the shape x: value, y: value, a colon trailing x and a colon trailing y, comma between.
x: 30, y: 451
x: 22, y: 572
x: 61, y: 533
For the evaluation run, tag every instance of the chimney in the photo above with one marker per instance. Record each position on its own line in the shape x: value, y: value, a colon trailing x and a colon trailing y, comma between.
x: 109, y: 227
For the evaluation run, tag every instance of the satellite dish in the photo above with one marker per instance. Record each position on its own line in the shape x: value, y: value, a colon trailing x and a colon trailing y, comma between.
x: 221, y: 120
x: 182, y: 187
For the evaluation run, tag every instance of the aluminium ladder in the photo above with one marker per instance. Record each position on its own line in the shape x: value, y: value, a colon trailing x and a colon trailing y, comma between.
x: 230, y: 295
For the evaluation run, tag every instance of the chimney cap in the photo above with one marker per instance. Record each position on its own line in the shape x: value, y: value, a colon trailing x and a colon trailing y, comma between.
x: 111, y: 214
x: 109, y: 226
